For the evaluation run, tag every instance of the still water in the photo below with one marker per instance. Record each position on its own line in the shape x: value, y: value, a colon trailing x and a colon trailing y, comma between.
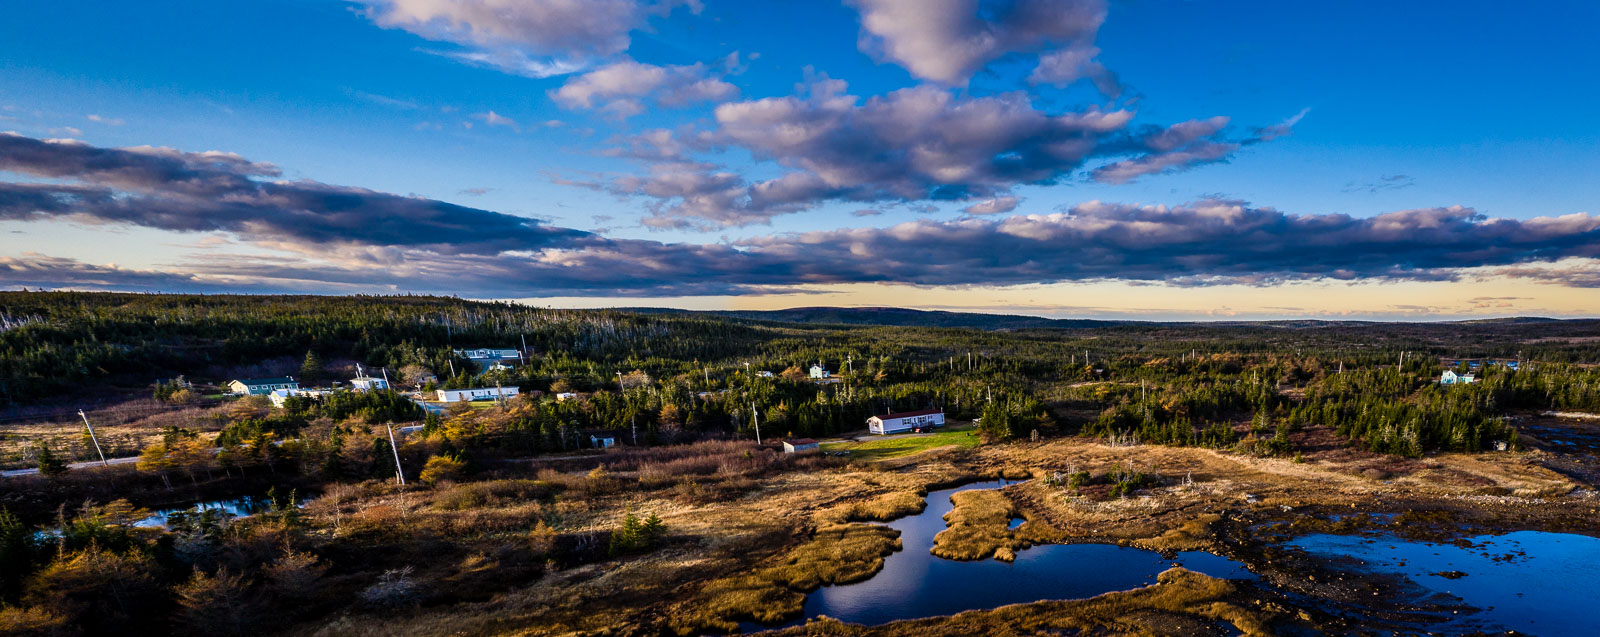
x: 1531, y: 582
x: 914, y: 583
x: 237, y: 507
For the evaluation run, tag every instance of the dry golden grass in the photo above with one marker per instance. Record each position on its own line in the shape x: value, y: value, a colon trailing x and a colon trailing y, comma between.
x: 836, y: 555
x: 978, y: 526
x: 750, y: 552
x: 1182, y: 602
x: 1194, y: 535
x: 889, y: 506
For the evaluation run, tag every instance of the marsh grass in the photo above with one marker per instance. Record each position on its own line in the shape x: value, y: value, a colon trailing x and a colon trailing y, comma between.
x: 838, y: 554
x: 889, y: 506
x: 978, y: 527
x: 1182, y: 602
x: 1193, y: 535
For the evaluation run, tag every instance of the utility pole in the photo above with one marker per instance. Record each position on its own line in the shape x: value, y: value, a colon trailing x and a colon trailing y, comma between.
x: 385, y: 371
x: 755, y: 419
x: 524, y: 349
x: 398, y: 472
x: 96, y: 440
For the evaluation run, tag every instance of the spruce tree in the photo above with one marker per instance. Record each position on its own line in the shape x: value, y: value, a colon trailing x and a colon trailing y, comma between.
x: 311, y: 369
x: 50, y: 466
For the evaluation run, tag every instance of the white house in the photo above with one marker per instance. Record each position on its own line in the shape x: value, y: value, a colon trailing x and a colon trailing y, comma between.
x: 764, y: 374
x: 482, y: 393
x: 368, y: 383
x: 602, y: 443
x: 1452, y: 378
x: 488, y: 357
x: 818, y: 371
x: 261, y: 386
x: 905, y: 421
x: 279, y: 397
x: 799, y: 445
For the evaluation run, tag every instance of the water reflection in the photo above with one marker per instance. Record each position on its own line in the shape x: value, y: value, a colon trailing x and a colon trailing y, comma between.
x: 1529, y: 581
x: 914, y: 583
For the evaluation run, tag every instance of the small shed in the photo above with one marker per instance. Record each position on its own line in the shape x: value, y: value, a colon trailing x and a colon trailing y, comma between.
x: 799, y: 445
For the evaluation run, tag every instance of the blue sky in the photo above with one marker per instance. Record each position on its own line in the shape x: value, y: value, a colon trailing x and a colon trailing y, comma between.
x: 1377, y: 107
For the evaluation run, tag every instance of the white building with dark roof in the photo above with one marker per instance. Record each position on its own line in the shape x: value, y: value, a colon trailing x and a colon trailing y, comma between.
x: 905, y: 421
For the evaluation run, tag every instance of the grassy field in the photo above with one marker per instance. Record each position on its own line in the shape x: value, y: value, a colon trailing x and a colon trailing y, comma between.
x: 964, y: 436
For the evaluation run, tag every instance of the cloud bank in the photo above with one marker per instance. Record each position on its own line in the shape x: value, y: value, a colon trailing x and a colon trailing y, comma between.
x: 923, y: 143
x: 340, y: 238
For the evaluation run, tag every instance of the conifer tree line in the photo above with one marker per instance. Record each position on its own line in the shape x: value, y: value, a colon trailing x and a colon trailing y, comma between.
x: 663, y: 378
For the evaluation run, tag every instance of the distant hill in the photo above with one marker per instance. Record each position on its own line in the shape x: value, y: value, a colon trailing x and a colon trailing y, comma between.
x: 904, y: 317
x: 892, y: 316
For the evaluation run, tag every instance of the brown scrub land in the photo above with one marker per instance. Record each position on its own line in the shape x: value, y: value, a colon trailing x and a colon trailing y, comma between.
x: 748, y: 545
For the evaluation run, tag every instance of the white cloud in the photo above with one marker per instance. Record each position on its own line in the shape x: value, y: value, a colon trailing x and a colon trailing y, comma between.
x: 949, y: 40
x: 621, y: 89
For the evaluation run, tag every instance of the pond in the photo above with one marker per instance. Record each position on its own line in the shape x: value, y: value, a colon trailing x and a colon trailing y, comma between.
x: 914, y: 583
x: 236, y: 507
x: 1529, y: 581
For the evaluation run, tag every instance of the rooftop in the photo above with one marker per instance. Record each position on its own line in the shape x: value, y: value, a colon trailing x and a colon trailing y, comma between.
x: 908, y: 414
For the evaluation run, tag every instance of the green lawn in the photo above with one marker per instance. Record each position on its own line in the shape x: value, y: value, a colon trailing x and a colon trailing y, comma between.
x: 961, y: 435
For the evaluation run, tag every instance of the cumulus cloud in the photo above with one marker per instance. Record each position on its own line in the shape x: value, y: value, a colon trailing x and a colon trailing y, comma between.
x: 621, y: 89
x: 1063, y: 67
x: 539, y: 38
x: 948, y: 40
x: 340, y: 238
x: 916, y: 144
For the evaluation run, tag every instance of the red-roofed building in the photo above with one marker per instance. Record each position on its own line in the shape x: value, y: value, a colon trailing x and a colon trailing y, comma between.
x: 799, y: 445
x: 905, y: 421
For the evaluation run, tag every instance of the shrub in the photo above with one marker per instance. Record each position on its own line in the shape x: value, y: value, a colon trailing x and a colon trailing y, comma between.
x: 393, y: 589
x: 33, y: 622
x: 217, y: 604
x: 102, y: 591
x: 295, y: 575
x: 490, y: 493
x: 441, y: 468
